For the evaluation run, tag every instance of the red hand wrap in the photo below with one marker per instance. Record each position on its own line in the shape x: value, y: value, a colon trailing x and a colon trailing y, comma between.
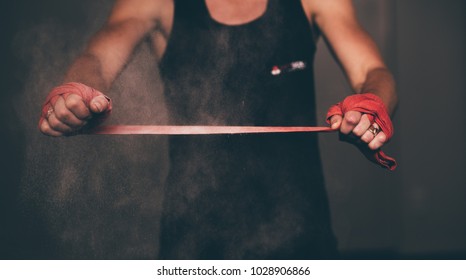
x: 87, y: 94
x: 375, y: 109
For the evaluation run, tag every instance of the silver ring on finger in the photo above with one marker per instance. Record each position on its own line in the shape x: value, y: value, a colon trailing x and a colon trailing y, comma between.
x: 374, y: 130
x: 49, y: 112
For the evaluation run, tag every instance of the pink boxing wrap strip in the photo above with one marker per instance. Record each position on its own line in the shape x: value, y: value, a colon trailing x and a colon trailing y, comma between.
x: 87, y: 93
x: 198, y: 130
x: 373, y: 106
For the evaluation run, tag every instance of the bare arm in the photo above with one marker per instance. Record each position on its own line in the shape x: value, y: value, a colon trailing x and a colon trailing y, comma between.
x: 109, y: 49
x: 106, y: 54
x: 360, y: 59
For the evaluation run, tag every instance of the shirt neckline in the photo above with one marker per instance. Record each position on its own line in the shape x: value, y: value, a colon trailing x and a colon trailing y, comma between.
x: 254, y: 20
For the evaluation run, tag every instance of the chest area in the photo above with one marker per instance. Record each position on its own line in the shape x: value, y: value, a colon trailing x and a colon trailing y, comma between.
x: 255, y: 18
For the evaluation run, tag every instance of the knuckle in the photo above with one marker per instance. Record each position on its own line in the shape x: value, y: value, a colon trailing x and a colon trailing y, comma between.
x: 345, y: 128
x: 365, y: 118
x: 103, y: 102
x: 61, y: 114
x: 44, y: 128
x: 54, y: 124
x: 366, y: 138
x: 382, y: 137
x: 351, y: 119
x: 366, y: 123
x: 374, y: 145
x: 45, y: 131
x: 73, y: 102
x: 101, y: 98
x: 358, y: 131
x: 335, y: 119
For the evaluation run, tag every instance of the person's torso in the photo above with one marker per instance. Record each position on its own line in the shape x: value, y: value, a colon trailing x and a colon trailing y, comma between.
x: 251, y: 195
x: 256, y: 73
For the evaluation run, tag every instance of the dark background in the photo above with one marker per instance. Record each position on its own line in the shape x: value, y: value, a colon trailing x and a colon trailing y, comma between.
x: 99, y: 197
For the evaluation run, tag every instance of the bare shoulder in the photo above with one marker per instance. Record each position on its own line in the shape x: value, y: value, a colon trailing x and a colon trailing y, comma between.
x: 322, y: 11
x: 148, y: 12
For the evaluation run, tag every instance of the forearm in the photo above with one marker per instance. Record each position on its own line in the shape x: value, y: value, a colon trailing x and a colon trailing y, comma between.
x: 107, y: 53
x: 380, y: 82
x: 87, y: 69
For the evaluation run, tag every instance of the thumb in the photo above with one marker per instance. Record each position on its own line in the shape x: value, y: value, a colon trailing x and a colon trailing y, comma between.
x: 99, y: 104
x: 335, y: 121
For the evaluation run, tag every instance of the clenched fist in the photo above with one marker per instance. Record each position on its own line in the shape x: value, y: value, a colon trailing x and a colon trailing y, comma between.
x: 71, y: 107
x: 360, y: 125
x: 364, y: 116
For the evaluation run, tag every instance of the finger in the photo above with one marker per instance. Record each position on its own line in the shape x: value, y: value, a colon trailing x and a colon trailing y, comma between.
x: 350, y: 120
x: 64, y: 115
x: 368, y: 136
x: 47, y: 130
x: 335, y: 121
x: 378, y: 141
x: 99, y: 104
x: 75, y: 104
x: 362, y: 126
x: 57, y: 125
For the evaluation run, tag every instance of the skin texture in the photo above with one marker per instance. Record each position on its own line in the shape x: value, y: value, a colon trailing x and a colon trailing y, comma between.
x: 131, y: 21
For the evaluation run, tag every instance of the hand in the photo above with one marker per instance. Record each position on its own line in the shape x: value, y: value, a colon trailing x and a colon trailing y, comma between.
x: 72, y: 109
x: 357, y: 123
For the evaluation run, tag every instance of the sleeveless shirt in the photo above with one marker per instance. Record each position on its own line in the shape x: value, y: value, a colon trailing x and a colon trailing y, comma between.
x: 258, y: 196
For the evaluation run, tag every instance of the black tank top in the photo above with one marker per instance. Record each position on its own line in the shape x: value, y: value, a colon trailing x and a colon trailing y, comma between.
x: 243, y: 196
